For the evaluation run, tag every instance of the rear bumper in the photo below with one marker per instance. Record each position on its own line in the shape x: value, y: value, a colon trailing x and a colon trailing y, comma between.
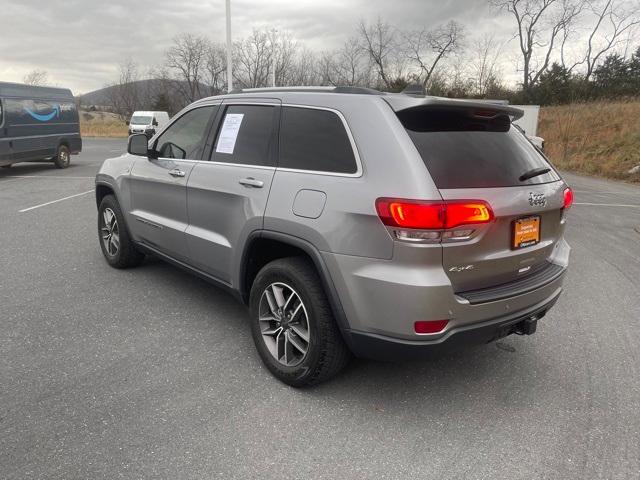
x: 386, y: 297
x: 380, y: 347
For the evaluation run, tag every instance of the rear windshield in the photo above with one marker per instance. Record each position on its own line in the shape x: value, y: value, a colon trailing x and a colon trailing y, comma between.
x: 464, y: 151
x: 138, y: 120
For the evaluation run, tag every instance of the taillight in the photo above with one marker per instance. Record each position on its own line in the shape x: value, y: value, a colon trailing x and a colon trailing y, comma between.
x: 568, y: 198
x: 423, y: 215
x: 410, y: 214
x: 430, y: 326
x: 467, y: 212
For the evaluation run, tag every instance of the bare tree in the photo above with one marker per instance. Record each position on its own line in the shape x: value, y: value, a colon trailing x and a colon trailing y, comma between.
x: 284, y: 51
x: 160, y: 93
x: 380, y: 41
x: 539, y: 24
x: 215, y: 70
x: 36, y: 78
x: 427, y: 48
x: 484, y: 70
x: 349, y: 66
x: 123, y: 94
x: 254, y: 57
x: 187, y: 58
x: 613, y: 23
x: 305, y: 69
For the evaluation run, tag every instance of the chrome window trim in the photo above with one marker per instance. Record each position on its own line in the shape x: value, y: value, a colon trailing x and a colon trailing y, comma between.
x: 359, y: 170
x: 207, y: 162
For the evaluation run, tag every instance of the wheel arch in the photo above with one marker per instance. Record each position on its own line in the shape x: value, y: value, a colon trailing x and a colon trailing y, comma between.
x: 264, y: 246
x: 102, y: 190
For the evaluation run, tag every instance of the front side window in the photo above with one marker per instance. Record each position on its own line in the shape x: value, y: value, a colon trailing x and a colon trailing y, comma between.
x: 245, y: 135
x: 186, y: 137
x: 312, y: 139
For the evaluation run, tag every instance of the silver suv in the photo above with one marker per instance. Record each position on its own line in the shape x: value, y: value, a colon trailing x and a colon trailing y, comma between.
x: 349, y: 221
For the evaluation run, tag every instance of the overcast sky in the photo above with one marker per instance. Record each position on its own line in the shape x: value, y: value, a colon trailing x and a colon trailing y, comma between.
x: 80, y: 42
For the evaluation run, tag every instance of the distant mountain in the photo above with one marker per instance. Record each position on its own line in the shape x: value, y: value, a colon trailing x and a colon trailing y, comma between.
x: 147, y: 92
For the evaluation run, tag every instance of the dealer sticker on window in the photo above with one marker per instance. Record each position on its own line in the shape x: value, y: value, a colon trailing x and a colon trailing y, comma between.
x: 229, y: 133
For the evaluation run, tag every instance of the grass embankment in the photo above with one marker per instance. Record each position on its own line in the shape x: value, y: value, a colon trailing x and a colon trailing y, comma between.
x: 102, y: 124
x: 599, y: 138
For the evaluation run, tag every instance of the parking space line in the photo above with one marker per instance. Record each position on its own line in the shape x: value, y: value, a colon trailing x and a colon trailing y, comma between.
x: 55, y: 201
x: 607, y: 204
x: 49, y: 176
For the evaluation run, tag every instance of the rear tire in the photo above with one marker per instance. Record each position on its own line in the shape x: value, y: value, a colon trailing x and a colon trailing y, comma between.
x: 306, y: 348
x: 63, y: 157
x: 116, y: 244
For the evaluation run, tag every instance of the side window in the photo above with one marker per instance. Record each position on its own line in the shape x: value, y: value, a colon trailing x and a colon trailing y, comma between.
x: 245, y: 135
x: 186, y: 137
x: 312, y: 139
x: 1, y: 115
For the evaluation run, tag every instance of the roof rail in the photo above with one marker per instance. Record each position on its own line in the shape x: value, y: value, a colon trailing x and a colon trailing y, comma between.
x: 341, y: 89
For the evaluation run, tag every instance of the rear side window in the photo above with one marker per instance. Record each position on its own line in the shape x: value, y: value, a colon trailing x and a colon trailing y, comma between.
x: 245, y: 135
x: 312, y: 139
x: 464, y: 151
x: 185, y: 138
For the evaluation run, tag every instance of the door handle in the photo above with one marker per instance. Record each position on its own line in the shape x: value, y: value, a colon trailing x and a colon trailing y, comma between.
x: 176, y: 172
x: 251, y: 182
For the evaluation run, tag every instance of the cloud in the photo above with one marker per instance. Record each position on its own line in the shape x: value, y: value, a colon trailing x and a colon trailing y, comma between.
x: 81, y: 42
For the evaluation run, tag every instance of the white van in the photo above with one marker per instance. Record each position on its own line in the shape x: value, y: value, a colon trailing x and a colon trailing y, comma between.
x: 147, y: 122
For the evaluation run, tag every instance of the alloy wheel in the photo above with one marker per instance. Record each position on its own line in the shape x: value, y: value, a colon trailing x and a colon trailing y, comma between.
x: 284, y: 324
x: 110, y: 232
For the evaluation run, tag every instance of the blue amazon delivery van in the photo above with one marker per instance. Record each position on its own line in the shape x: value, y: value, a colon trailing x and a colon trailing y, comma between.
x: 37, y: 124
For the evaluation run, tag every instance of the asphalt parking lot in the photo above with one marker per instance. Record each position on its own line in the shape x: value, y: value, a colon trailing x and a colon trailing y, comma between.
x: 152, y: 373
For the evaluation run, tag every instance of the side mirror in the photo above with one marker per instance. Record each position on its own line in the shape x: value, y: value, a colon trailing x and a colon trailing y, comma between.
x: 127, y: 122
x: 155, y: 122
x: 138, y: 145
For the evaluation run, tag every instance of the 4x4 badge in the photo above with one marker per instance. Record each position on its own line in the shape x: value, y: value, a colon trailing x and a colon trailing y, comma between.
x: 537, y: 199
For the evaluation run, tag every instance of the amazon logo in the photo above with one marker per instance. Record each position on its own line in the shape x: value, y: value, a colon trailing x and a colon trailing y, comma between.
x: 44, y: 117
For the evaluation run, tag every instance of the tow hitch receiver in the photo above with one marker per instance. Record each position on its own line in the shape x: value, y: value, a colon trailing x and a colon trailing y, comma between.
x: 527, y: 327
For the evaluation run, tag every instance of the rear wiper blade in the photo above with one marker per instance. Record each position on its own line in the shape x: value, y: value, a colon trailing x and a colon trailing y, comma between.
x: 535, y: 172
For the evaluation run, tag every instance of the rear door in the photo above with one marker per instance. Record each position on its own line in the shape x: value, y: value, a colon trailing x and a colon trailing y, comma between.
x: 5, y: 151
x: 479, y: 155
x: 158, y: 185
x: 227, y: 195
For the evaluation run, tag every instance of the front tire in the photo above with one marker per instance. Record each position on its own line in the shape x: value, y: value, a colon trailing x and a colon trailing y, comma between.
x: 116, y: 244
x: 63, y: 157
x: 292, y: 324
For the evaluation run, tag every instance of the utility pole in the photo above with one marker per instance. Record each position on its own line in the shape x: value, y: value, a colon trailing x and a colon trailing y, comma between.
x: 229, y: 59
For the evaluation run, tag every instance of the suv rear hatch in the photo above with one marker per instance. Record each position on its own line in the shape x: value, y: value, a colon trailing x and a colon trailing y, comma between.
x: 473, y: 152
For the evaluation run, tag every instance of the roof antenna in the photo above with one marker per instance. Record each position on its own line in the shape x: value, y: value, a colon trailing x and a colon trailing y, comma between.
x: 415, y: 89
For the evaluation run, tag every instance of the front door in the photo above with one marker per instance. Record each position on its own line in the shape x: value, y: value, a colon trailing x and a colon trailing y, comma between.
x: 158, y: 185
x: 227, y: 195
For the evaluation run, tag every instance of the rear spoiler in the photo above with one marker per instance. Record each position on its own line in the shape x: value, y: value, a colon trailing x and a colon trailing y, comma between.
x: 484, y: 109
